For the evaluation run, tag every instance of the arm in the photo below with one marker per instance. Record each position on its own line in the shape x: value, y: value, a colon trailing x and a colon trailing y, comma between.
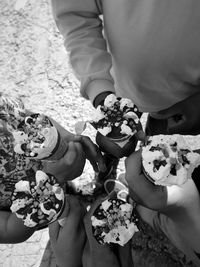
x: 68, y: 238
x: 176, y: 208
x: 12, y: 229
x: 80, y: 24
x: 79, y: 149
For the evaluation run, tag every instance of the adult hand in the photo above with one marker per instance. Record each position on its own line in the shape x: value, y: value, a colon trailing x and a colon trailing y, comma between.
x: 183, y: 117
x: 174, y: 201
x: 68, y: 240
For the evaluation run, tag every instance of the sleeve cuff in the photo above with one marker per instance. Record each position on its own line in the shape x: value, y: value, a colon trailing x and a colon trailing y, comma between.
x: 97, y: 87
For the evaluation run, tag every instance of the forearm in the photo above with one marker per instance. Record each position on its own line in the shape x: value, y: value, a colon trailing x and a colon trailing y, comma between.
x: 80, y: 24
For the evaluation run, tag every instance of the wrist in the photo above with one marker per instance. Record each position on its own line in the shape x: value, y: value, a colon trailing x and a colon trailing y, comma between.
x: 99, y: 99
x: 96, y: 87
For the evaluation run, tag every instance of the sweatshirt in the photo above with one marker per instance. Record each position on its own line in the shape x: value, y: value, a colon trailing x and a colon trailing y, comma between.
x: 145, y: 50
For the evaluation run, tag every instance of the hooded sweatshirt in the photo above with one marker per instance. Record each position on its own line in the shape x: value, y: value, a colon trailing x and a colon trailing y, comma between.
x: 145, y: 50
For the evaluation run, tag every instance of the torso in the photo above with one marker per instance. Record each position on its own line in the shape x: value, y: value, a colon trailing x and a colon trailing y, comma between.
x: 156, y: 49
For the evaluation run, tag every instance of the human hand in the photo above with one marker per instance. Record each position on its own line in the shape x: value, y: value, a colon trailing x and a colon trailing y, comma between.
x: 71, y: 165
x: 92, y: 153
x: 183, y: 117
x: 110, y: 147
x: 99, y: 100
x: 174, y: 201
x: 95, y: 254
x: 121, y: 117
x: 68, y: 240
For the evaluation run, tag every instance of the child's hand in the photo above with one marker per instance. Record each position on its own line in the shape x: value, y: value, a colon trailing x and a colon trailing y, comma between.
x: 72, y: 164
x: 180, y: 203
x: 68, y: 240
x: 91, y: 150
x: 94, y: 253
x: 171, y: 200
x: 183, y: 117
x: 92, y: 153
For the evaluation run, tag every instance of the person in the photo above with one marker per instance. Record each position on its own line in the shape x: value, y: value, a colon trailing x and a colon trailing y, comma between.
x: 148, y: 53
x: 172, y: 210
x: 14, y: 167
x: 68, y: 238
x: 73, y: 243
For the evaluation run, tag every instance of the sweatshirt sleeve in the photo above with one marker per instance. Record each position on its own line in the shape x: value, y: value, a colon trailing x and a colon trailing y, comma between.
x: 80, y: 24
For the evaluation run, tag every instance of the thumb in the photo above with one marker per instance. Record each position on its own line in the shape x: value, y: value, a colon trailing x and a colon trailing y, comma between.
x: 166, y: 113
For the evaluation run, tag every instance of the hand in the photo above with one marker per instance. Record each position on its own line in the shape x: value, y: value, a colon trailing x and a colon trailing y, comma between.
x: 91, y: 150
x: 174, y: 201
x: 68, y: 241
x: 183, y: 117
x: 95, y: 254
x: 110, y: 147
x: 99, y: 100
x: 92, y: 153
x: 71, y: 165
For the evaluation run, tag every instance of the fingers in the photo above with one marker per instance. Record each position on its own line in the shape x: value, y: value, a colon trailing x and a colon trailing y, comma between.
x: 134, y: 161
x: 93, y: 154
x: 71, y: 154
x: 140, y: 188
x: 140, y: 135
